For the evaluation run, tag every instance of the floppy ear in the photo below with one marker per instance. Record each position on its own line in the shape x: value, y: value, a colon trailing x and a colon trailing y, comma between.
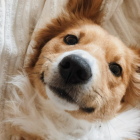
x: 89, y: 9
x: 133, y: 91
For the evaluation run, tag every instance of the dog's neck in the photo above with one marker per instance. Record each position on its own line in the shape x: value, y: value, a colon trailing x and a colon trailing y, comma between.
x: 36, y: 115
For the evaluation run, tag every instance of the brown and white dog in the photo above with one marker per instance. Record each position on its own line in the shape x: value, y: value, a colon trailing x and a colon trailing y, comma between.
x: 82, y: 83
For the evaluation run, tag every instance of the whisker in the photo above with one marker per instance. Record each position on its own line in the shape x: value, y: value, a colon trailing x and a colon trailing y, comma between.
x: 26, y: 76
x: 114, y: 129
x: 103, y: 99
x: 64, y: 48
x: 120, y: 120
x: 47, y: 58
x: 106, y: 102
x: 109, y: 131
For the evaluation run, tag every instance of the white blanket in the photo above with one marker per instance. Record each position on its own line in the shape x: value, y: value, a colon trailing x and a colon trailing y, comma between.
x: 19, y: 18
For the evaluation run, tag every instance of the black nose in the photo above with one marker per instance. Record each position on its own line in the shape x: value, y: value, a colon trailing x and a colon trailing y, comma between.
x: 74, y: 69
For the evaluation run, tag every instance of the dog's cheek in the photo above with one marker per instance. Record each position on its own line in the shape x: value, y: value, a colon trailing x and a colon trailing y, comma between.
x: 44, y: 71
x: 37, y: 75
x: 39, y: 86
x: 132, y: 95
x: 112, y: 100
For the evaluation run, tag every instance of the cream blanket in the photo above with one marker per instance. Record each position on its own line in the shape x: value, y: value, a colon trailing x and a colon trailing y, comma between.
x: 19, y: 18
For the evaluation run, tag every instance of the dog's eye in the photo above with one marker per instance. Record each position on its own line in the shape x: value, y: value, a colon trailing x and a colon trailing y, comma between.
x: 115, y: 69
x: 70, y: 40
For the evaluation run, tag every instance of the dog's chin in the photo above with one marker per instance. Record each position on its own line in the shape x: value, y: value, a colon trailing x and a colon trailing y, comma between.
x: 60, y: 99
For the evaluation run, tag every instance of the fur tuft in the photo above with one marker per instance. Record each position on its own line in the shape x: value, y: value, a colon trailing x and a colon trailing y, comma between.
x: 83, y: 9
x: 29, y: 112
x: 133, y: 91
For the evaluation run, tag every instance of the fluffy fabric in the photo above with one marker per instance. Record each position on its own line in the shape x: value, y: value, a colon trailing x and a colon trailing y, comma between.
x: 31, y: 113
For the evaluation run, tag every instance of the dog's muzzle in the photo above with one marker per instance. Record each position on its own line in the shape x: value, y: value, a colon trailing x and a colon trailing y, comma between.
x: 72, y: 75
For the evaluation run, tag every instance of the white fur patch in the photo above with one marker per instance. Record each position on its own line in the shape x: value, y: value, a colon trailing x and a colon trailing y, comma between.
x: 33, y: 114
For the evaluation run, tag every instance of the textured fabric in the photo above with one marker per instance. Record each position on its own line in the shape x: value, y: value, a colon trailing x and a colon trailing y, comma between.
x: 122, y: 18
x: 18, y: 18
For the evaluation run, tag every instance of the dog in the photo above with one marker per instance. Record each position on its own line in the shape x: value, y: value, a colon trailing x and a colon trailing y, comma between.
x: 80, y: 82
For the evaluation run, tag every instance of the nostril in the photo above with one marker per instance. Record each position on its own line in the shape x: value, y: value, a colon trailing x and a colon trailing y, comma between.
x: 83, y: 75
x: 80, y: 74
x: 65, y: 65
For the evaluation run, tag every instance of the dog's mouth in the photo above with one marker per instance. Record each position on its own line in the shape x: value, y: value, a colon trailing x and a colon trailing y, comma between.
x: 62, y: 94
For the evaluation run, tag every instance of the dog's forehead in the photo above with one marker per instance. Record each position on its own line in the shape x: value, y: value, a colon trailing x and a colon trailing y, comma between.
x: 93, y: 33
x: 87, y: 29
x: 96, y: 38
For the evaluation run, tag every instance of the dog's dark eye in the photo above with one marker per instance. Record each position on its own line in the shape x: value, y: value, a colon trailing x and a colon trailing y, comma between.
x: 70, y: 40
x: 115, y: 69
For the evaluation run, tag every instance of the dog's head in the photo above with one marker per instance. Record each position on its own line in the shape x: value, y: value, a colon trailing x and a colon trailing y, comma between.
x: 81, y: 68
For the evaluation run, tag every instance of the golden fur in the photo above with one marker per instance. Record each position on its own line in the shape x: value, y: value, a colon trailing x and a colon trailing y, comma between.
x: 113, y: 88
x: 113, y: 94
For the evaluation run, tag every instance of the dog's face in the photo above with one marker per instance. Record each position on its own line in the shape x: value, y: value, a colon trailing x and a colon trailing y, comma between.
x: 81, y: 68
x: 85, y: 71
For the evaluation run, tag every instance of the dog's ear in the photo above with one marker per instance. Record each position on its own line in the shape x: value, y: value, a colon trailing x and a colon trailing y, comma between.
x: 133, y: 91
x: 90, y: 9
